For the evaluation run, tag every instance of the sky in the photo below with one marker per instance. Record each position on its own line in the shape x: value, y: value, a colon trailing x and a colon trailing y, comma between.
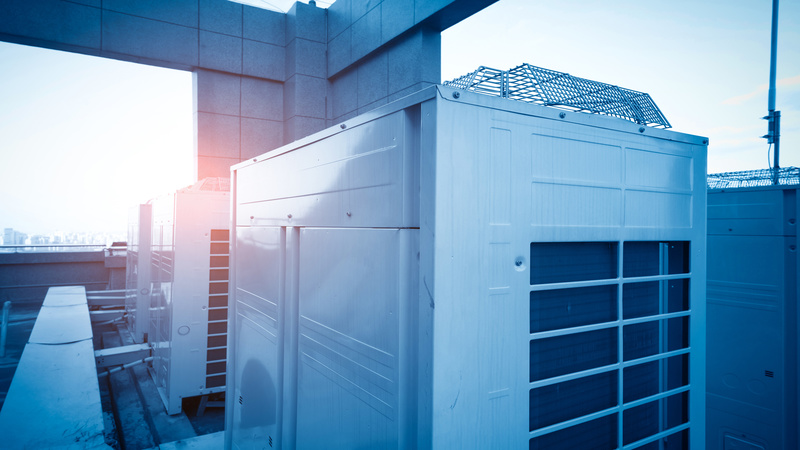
x: 82, y: 139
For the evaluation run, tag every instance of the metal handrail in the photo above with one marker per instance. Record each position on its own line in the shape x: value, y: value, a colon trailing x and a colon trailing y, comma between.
x: 58, y: 247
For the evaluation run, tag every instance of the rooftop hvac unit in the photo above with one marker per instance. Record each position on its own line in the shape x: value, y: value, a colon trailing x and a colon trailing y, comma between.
x: 454, y: 270
x: 189, y: 302
x: 752, y: 310
x: 137, y: 272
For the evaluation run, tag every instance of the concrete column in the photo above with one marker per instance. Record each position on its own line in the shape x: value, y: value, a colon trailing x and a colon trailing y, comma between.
x: 406, y: 65
x: 236, y: 118
x: 261, y: 78
x: 305, y: 90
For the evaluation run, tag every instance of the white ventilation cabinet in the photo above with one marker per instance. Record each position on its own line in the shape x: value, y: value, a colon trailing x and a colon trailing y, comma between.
x: 137, y: 272
x: 454, y: 270
x: 752, y: 311
x: 189, y: 294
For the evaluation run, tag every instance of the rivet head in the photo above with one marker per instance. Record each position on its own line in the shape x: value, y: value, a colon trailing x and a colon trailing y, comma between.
x: 349, y: 214
x: 343, y: 126
x: 289, y: 216
x: 641, y: 129
x: 456, y: 94
x: 562, y: 115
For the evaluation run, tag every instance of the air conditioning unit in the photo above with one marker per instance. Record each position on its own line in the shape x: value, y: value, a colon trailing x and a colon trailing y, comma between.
x: 189, y: 294
x: 137, y: 272
x: 752, y: 400
x: 454, y: 270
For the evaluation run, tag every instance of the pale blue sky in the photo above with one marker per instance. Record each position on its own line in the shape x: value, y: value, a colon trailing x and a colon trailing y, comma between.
x: 82, y: 138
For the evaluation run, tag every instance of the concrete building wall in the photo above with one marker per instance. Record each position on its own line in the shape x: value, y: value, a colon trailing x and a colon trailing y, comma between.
x: 261, y: 78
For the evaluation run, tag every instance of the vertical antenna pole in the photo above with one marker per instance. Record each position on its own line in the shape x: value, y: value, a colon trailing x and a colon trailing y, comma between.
x: 774, y: 117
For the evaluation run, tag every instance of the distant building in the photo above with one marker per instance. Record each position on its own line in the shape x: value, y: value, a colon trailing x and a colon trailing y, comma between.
x: 12, y: 237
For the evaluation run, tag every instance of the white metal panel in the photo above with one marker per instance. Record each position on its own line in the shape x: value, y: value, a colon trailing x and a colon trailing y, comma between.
x: 258, y: 339
x: 349, y: 338
x: 362, y: 177
x: 575, y: 196
x: 752, y: 318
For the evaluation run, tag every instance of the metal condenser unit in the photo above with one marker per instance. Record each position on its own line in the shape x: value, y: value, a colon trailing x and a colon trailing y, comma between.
x: 189, y: 294
x: 137, y: 272
x: 753, y: 341
x: 454, y: 270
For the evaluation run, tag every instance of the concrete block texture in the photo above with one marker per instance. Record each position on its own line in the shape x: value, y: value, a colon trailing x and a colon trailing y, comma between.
x: 366, y: 33
x: 406, y: 65
x: 264, y: 26
x: 306, y: 22
x: 340, y: 94
x: 306, y: 57
x: 339, y: 18
x: 151, y: 39
x: 299, y: 127
x: 262, y: 99
x: 373, y: 76
x: 373, y: 23
x: 264, y: 60
x: 340, y: 53
x: 223, y: 17
x: 260, y: 136
x: 414, y: 58
x: 304, y: 96
x: 220, y: 52
x: 179, y: 12
x: 218, y: 135
x: 395, y: 18
x: 217, y: 92
x: 51, y: 21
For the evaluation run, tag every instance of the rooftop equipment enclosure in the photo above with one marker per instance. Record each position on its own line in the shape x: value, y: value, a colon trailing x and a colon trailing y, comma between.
x: 188, y: 324
x: 454, y: 270
x: 137, y: 277
x: 752, y: 311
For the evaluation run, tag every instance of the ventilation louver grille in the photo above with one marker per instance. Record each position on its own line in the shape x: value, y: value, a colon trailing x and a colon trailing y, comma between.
x: 609, y: 348
x: 218, y: 276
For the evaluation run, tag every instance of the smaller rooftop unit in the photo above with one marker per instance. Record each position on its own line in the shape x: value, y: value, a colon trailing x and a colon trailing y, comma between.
x: 137, y: 272
x: 752, y: 366
x: 189, y: 294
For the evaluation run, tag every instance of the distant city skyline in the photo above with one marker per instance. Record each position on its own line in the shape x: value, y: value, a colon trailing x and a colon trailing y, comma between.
x: 82, y: 139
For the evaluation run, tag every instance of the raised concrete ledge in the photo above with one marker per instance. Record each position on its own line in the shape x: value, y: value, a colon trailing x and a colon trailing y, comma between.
x: 54, y: 397
x: 175, y: 34
x: 359, y: 28
x: 51, y: 257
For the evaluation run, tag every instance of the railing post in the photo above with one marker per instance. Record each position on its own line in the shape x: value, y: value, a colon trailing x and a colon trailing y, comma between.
x: 4, y: 330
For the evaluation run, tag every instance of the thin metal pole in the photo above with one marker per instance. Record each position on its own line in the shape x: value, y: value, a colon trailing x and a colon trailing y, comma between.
x: 773, y: 57
x: 775, y: 116
x: 4, y: 331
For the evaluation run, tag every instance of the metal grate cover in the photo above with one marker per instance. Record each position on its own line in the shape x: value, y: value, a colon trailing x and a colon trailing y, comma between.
x: 531, y: 84
x: 209, y: 184
x: 787, y: 176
